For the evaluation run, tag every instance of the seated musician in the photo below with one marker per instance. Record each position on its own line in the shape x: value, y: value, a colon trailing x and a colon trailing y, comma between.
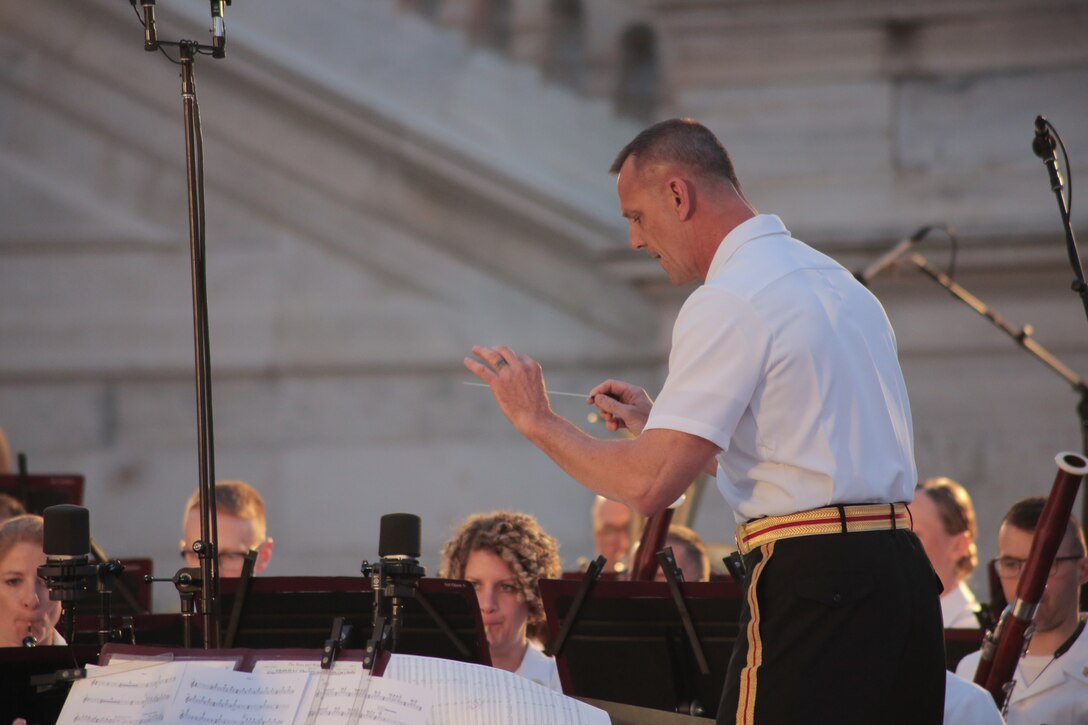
x: 1051, y: 680
x: 25, y: 608
x: 944, y: 520
x: 241, y: 525
x: 503, y: 555
x: 612, y: 532
x: 690, y: 552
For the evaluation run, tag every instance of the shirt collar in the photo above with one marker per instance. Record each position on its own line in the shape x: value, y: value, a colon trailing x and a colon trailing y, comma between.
x: 761, y: 225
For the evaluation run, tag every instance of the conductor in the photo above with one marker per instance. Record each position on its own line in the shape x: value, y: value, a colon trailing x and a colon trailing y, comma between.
x: 784, y: 383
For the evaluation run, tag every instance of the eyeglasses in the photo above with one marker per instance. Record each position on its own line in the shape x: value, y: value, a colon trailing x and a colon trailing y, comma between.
x: 225, y: 557
x: 1009, y: 567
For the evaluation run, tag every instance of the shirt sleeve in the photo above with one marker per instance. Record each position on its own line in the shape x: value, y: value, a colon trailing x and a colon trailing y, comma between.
x: 720, y: 352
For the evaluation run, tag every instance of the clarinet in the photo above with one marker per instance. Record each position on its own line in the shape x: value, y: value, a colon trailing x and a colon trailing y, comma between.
x: 1007, y: 642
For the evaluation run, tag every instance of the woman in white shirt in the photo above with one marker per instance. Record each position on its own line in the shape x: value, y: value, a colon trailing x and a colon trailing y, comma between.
x: 503, y: 555
x: 25, y: 608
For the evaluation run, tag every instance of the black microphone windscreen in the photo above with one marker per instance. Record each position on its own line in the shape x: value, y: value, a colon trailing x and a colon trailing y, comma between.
x: 399, y: 536
x: 67, y: 530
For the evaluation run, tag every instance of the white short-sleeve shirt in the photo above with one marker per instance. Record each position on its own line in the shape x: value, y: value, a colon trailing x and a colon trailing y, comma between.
x: 1056, y: 695
x: 789, y: 365
x: 540, y: 668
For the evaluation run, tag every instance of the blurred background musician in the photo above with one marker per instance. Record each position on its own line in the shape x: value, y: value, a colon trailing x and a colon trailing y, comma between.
x: 241, y: 524
x: 944, y: 519
x: 25, y: 607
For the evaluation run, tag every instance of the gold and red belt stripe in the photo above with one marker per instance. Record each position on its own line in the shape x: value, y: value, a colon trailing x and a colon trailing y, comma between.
x: 829, y: 520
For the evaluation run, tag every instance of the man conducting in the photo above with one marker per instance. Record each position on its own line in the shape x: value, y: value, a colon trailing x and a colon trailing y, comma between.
x: 784, y: 383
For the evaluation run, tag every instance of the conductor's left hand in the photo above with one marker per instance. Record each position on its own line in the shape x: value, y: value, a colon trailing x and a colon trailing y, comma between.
x: 516, y: 381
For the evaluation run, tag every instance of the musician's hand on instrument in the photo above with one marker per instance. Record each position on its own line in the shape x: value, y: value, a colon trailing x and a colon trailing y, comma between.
x: 516, y: 381
x: 621, y: 405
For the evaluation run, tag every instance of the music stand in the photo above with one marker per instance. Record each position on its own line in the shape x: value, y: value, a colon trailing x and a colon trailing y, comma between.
x: 628, y: 643
x: 161, y: 630
x: 41, y: 490
x: 19, y: 698
x: 297, y: 612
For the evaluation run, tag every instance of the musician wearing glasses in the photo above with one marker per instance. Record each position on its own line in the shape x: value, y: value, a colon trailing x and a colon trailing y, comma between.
x: 1051, y: 680
x: 240, y: 523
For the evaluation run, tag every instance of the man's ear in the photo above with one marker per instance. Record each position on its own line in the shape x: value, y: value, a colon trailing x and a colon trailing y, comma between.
x: 264, y: 555
x: 681, y: 196
x: 961, y: 544
x: 1082, y: 570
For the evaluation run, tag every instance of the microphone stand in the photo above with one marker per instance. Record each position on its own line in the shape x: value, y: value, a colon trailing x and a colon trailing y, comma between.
x: 1044, y: 146
x: 207, y: 546
x: 1022, y: 337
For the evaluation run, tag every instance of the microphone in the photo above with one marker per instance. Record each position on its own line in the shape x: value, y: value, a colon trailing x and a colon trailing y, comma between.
x: 399, y: 536
x: 67, y: 532
x: 1043, y: 145
x: 393, y: 580
x: 219, y: 38
x: 866, y: 275
x: 67, y: 542
x: 151, y: 40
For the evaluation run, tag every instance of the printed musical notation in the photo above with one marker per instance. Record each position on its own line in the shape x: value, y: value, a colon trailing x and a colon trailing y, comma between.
x: 346, y: 694
x: 113, y: 720
x: 283, y: 693
x: 468, y: 694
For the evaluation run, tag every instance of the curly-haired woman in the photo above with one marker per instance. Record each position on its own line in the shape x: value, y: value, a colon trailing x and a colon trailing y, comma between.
x: 502, y: 555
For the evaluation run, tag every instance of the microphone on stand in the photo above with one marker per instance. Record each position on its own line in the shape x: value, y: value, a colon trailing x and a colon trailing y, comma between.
x: 399, y: 537
x: 219, y: 36
x: 67, y: 542
x: 151, y: 39
x: 866, y: 275
x: 1043, y: 145
x: 393, y: 579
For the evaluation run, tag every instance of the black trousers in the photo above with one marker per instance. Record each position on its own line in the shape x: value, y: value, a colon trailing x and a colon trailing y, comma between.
x: 840, y: 628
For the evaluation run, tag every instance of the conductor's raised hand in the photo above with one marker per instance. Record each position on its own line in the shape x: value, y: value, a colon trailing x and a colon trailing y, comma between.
x: 621, y: 405
x: 516, y: 381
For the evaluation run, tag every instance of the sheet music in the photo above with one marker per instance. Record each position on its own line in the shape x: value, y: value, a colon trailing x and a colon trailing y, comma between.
x: 286, y: 667
x: 222, y: 664
x: 238, y: 698
x: 346, y: 695
x: 469, y: 694
x: 130, y: 696
x: 182, y: 692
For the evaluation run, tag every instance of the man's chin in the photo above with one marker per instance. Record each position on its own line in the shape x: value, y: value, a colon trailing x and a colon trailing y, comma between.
x: 678, y: 278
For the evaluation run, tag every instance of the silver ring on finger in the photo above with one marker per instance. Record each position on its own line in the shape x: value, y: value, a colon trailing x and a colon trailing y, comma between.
x: 500, y: 365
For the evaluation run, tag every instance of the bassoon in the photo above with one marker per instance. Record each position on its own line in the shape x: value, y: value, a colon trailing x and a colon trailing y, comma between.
x: 1006, y: 643
x: 654, y: 533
